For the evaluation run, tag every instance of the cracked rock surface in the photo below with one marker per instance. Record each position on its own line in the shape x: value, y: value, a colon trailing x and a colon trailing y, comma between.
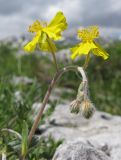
x: 79, y: 151
x: 102, y: 131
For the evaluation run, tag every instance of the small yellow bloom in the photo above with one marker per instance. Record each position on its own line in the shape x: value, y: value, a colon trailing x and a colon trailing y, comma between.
x: 88, y: 44
x: 45, y: 33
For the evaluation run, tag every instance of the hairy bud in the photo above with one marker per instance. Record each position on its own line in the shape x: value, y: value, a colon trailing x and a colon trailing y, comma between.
x: 75, y: 106
x: 87, y: 108
x: 82, y: 102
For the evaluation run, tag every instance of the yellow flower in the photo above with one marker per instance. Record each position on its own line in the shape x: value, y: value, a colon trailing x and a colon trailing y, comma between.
x: 88, y: 44
x: 44, y: 34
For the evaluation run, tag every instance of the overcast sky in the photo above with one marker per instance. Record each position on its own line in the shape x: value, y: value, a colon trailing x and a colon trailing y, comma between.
x: 16, y: 15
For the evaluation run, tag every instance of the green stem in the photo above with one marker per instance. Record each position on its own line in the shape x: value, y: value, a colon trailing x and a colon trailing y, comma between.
x: 53, y: 54
x: 86, y: 61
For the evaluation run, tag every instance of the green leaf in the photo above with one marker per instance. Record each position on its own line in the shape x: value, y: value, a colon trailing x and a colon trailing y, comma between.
x: 24, y: 139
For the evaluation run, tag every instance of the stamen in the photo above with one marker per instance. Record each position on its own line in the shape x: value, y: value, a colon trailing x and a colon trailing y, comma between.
x: 89, y: 34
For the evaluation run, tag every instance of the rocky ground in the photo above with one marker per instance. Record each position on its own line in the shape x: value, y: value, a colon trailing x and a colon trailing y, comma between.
x: 102, y: 132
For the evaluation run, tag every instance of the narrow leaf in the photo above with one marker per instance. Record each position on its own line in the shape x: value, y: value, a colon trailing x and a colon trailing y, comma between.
x: 24, y: 139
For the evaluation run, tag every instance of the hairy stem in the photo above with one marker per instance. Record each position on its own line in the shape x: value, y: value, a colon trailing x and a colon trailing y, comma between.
x: 46, y: 98
x: 85, y: 81
x: 81, y: 70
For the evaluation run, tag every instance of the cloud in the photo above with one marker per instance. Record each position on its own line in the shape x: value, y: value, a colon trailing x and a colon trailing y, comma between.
x: 104, y: 13
x: 16, y: 15
x: 10, y: 7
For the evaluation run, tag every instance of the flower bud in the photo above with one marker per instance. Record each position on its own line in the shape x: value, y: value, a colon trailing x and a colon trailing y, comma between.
x: 75, y: 106
x: 87, y: 108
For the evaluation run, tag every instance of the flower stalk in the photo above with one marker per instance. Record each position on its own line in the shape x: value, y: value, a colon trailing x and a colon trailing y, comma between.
x: 86, y: 61
x: 53, y: 53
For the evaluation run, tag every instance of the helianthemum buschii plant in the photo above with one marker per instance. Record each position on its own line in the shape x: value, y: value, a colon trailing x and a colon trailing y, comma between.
x: 44, y: 36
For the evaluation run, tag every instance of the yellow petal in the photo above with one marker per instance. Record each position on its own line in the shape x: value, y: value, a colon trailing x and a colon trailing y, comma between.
x: 56, y: 26
x: 46, y: 44
x: 99, y: 51
x: 82, y: 48
x: 29, y: 47
x: 75, y: 52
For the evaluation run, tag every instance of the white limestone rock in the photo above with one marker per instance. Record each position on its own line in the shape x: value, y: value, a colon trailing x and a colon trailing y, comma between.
x: 79, y: 150
x: 102, y: 131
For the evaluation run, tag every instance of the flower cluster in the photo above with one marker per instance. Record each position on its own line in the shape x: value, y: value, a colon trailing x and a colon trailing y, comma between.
x: 82, y: 102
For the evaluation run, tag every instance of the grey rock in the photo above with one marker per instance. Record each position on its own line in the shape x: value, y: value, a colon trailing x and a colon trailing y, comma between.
x: 79, y: 150
x: 103, y: 130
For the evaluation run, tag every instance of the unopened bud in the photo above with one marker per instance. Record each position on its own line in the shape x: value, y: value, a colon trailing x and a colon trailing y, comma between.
x: 87, y: 108
x: 75, y: 106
